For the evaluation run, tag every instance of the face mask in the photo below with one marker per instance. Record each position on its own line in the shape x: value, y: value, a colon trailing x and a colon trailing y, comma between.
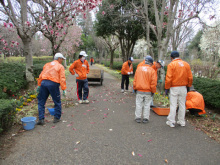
x: 83, y: 59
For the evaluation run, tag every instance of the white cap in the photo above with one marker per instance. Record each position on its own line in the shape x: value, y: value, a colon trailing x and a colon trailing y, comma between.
x: 83, y: 53
x: 59, y: 55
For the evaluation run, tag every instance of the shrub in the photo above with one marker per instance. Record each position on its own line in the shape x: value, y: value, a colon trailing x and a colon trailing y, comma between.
x: 37, y: 69
x: 210, y: 89
x: 12, y: 78
x: 7, y: 114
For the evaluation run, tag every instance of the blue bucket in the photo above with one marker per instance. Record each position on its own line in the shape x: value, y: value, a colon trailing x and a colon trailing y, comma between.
x: 51, y: 110
x: 28, y: 122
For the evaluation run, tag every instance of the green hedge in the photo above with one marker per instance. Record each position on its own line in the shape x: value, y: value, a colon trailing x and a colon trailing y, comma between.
x: 7, y: 114
x: 210, y: 89
x: 12, y: 78
x: 118, y: 65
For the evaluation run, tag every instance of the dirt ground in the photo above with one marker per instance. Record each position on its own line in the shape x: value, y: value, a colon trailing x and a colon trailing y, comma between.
x: 208, y: 123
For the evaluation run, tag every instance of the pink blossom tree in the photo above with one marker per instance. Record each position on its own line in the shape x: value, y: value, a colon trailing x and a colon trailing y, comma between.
x: 52, y: 18
x: 72, y: 41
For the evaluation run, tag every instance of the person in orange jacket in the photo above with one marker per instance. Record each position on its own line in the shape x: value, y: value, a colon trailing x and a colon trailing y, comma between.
x: 156, y: 65
x: 178, y: 78
x: 195, y: 102
x: 80, y: 68
x: 91, y: 61
x: 127, y: 69
x: 144, y: 84
x: 52, y: 76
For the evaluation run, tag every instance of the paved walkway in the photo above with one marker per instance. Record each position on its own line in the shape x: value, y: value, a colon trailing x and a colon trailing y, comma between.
x: 104, y: 133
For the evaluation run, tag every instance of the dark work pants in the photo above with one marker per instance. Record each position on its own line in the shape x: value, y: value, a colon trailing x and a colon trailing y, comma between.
x: 125, y: 80
x: 82, y: 85
x: 52, y: 88
x: 91, y: 63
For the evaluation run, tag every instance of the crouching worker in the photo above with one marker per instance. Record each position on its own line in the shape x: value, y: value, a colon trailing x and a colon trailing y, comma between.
x: 195, y: 102
x: 144, y: 84
x: 50, y: 79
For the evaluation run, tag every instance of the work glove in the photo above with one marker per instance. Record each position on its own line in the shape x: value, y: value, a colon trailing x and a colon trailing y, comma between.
x: 129, y: 73
x: 166, y: 92
x: 38, y: 89
x: 159, y: 81
x: 64, y: 93
x: 76, y: 75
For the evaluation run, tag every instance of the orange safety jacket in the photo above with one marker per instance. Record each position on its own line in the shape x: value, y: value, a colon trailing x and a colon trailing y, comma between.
x: 81, y: 68
x: 178, y: 74
x: 91, y: 60
x: 145, y: 79
x: 194, y: 100
x: 153, y: 66
x: 53, y: 71
x: 126, y: 68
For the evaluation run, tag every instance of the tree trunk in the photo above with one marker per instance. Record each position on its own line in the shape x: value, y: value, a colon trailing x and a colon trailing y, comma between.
x: 112, y: 58
x: 29, y: 62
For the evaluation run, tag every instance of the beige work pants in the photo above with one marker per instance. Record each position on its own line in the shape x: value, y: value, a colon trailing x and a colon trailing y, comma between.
x: 143, y: 100
x: 177, y: 95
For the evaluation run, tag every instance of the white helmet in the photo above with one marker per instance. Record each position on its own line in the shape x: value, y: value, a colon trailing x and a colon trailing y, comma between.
x: 83, y: 53
x: 59, y: 55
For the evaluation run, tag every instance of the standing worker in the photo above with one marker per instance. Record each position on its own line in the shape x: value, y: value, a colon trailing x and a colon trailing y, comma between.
x: 195, y: 102
x: 91, y: 61
x: 127, y: 69
x: 156, y: 65
x: 144, y: 84
x: 80, y: 68
x: 178, y: 78
x: 52, y: 76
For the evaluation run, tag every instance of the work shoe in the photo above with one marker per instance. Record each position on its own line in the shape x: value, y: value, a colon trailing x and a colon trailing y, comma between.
x: 55, y: 120
x: 41, y: 122
x: 138, y: 120
x: 172, y: 125
x: 80, y: 101
x: 86, y: 101
x: 122, y: 91
x: 183, y: 125
x: 145, y: 121
x: 126, y: 90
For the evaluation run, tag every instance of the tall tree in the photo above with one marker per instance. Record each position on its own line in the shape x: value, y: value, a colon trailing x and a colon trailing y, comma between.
x: 52, y: 18
x: 114, y: 19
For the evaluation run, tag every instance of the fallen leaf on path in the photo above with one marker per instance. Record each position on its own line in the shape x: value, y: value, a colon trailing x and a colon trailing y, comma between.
x: 53, y: 127
x: 166, y: 160
x: 84, y: 113
x: 75, y: 149
x: 77, y: 142
x: 140, y: 155
x: 133, y: 153
x: 74, y: 129
x: 13, y: 134
x: 69, y: 125
x: 64, y: 121
x: 92, y: 122
x: 150, y: 140
x: 143, y: 133
x: 110, y: 129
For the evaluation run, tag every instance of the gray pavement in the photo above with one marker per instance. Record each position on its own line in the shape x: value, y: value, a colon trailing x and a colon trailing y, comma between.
x: 104, y: 133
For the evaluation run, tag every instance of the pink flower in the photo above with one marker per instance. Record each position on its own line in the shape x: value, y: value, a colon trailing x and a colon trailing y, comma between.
x: 28, y: 23
x: 51, y: 32
x: 103, y: 13
x: 55, y: 46
x: 64, y: 33
x: 166, y: 13
x: 5, y: 24
x: 4, y: 48
x: 11, y: 25
x: 57, y: 23
x: 111, y: 6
